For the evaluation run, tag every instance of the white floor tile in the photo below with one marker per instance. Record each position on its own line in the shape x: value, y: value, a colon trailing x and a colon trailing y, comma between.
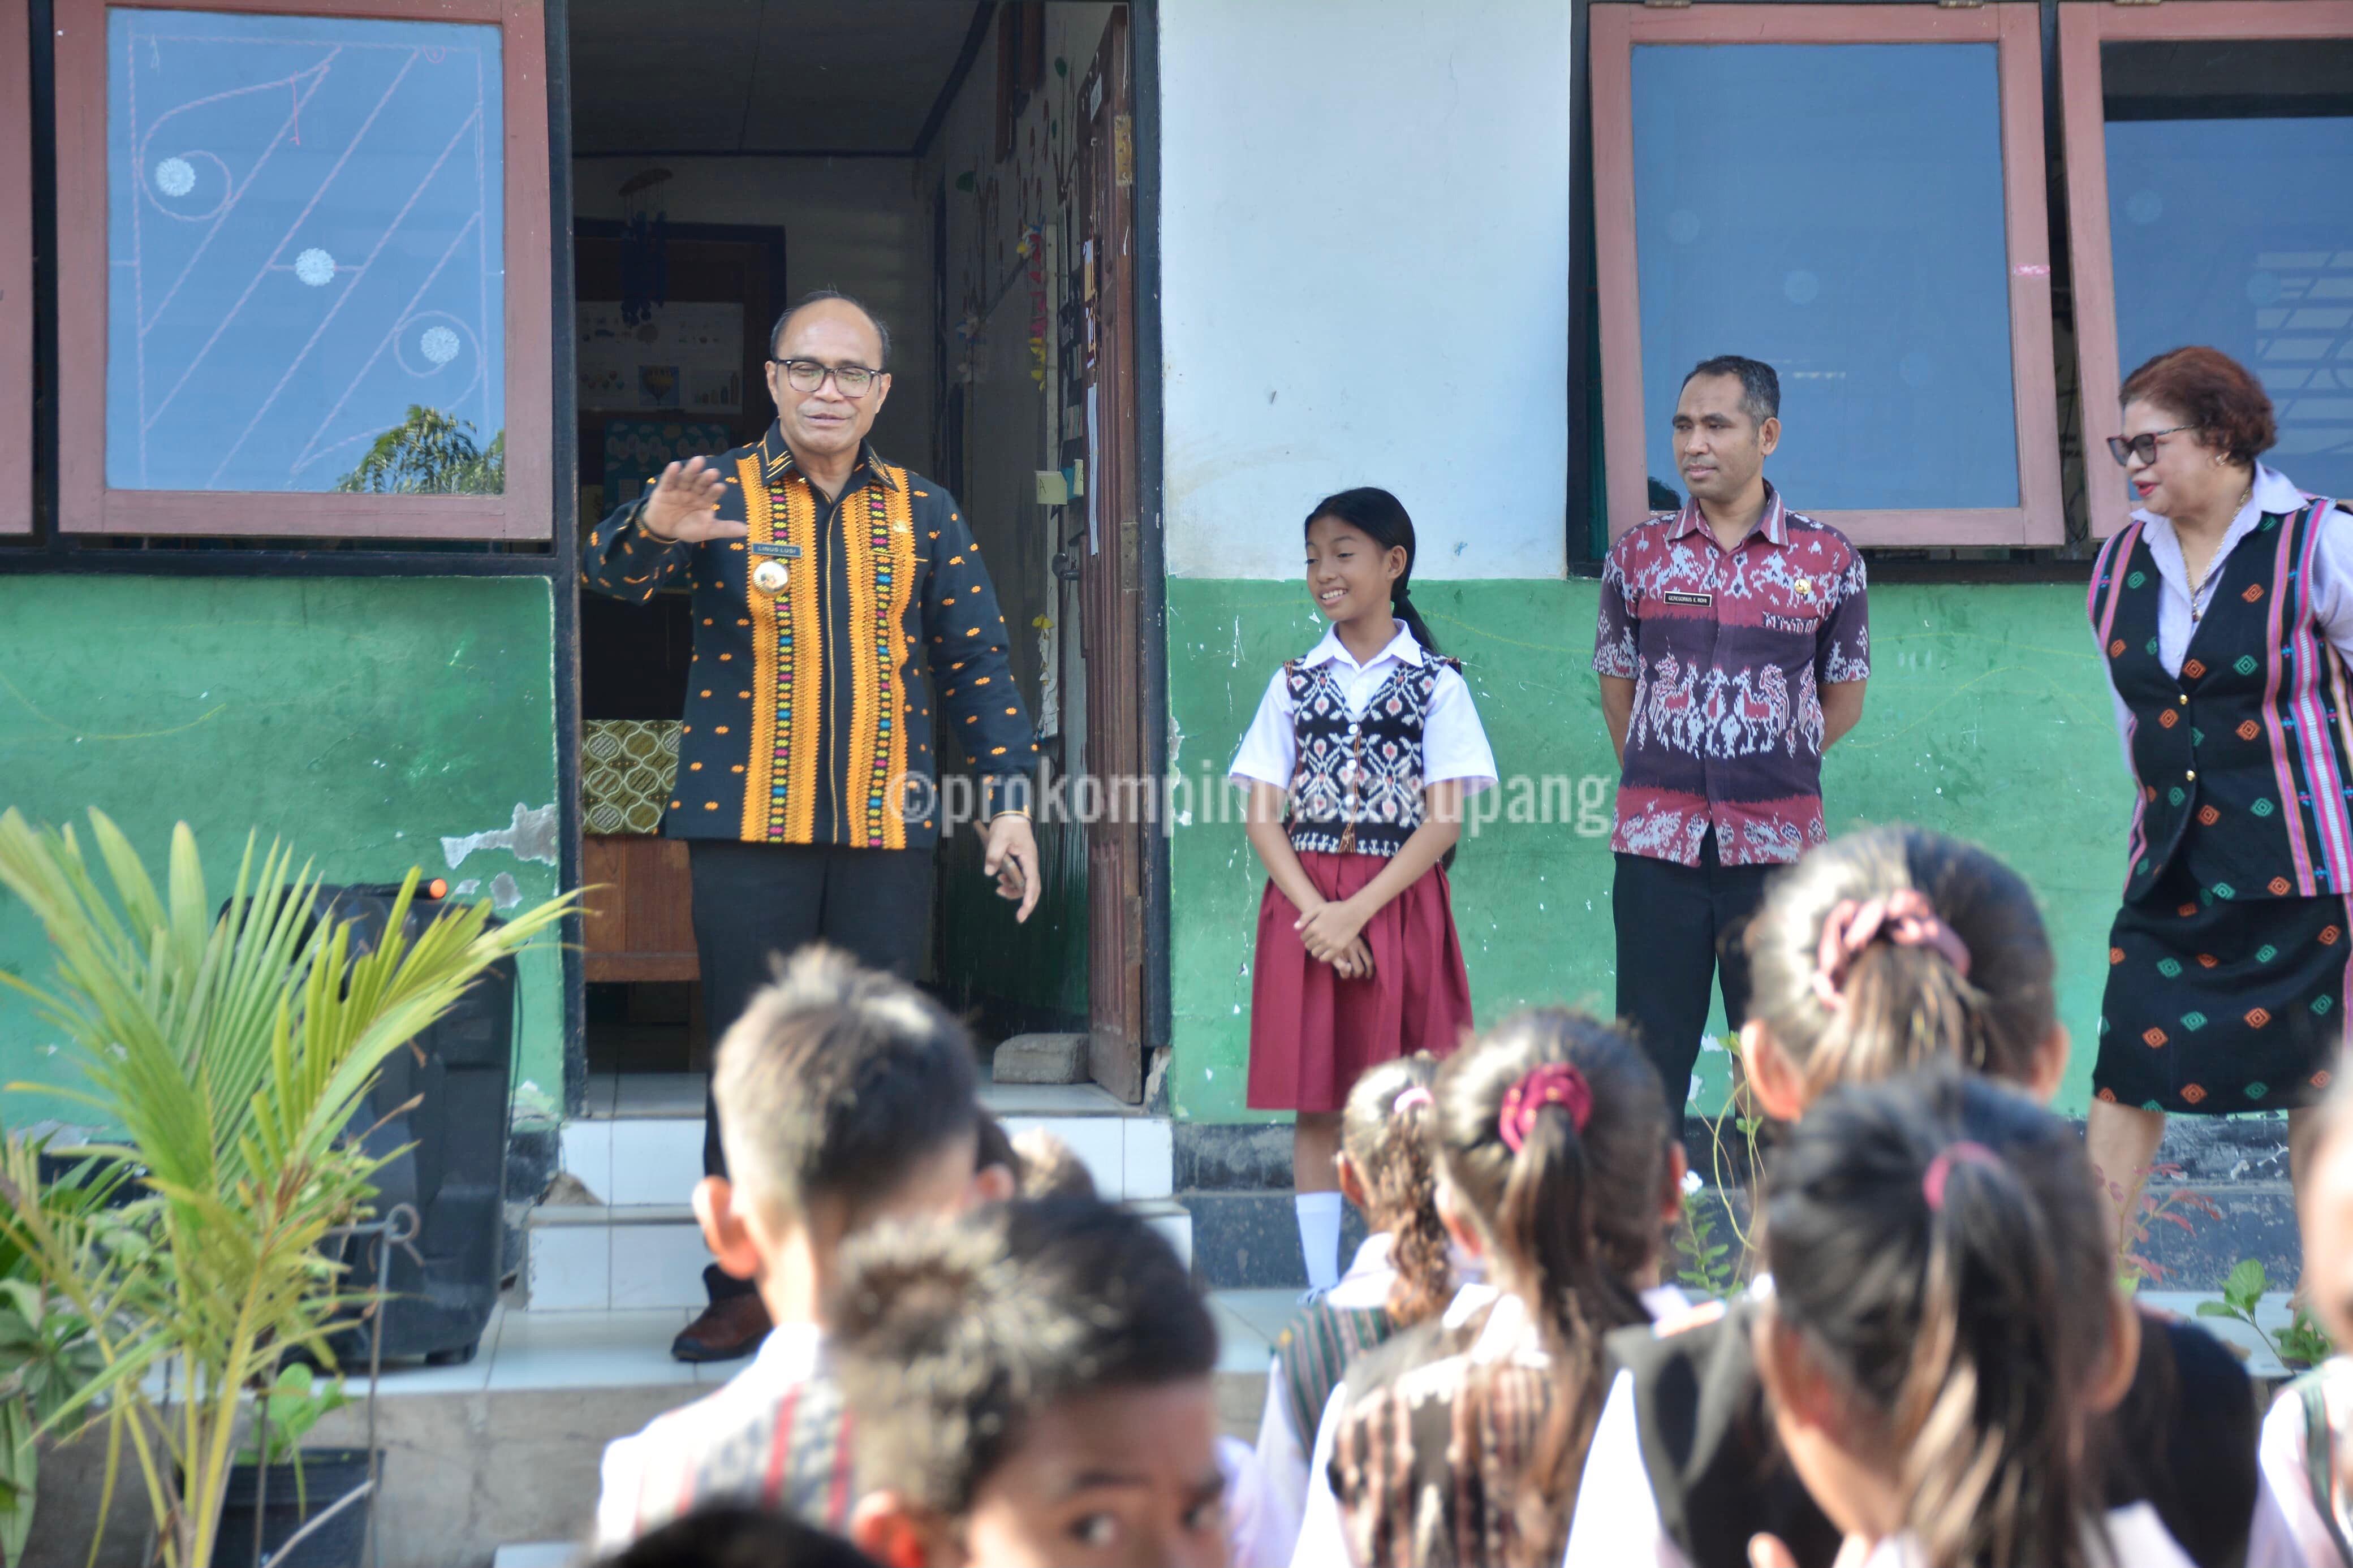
x: 1149, y: 1158
x: 657, y: 1266
x: 655, y: 1161
x: 571, y: 1268
x: 588, y: 1156
x: 597, y: 1099
x: 1266, y: 1311
x: 539, y: 1554
x: 1052, y: 1099
x: 415, y: 1377
x: 1178, y: 1230
x: 1241, y: 1347
x: 1095, y: 1139
x: 679, y: 1094
x: 599, y: 1350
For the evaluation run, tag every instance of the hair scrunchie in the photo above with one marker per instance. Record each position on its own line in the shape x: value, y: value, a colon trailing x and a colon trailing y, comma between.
x: 1940, y: 1170
x: 1545, y: 1084
x: 1904, y: 917
x: 1413, y: 1096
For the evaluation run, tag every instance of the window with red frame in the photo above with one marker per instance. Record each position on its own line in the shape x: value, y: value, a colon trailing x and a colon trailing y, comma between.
x: 305, y: 270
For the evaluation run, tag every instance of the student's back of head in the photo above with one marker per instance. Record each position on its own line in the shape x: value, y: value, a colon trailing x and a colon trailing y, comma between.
x: 1552, y: 1134
x: 1892, y: 948
x: 737, y: 1538
x: 838, y: 1086
x: 1944, y: 1324
x: 1030, y: 1383
x: 1388, y: 1162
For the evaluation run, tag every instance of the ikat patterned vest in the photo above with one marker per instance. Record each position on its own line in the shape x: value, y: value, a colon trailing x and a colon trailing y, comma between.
x: 2243, y: 761
x: 1356, y: 786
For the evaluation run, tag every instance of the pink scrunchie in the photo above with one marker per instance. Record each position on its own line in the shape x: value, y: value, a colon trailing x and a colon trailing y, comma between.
x: 1940, y: 1169
x: 1905, y: 918
x: 1547, y: 1083
x: 1413, y: 1096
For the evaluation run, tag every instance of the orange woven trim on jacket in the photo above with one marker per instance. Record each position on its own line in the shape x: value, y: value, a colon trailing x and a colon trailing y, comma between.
x: 901, y: 509
x: 859, y: 817
x: 807, y: 679
x: 760, y: 767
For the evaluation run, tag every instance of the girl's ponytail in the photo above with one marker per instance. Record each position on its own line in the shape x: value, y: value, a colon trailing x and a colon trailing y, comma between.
x: 1890, y: 949
x: 1936, y: 1245
x: 1401, y: 606
x: 1553, y: 1132
x: 1385, y: 1134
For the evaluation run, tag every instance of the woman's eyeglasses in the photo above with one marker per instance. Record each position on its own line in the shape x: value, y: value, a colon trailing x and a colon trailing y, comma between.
x: 808, y: 375
x: 2123, y: 449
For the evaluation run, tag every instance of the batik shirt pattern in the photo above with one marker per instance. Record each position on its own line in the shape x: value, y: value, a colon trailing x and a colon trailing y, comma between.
x: 1728, y: 652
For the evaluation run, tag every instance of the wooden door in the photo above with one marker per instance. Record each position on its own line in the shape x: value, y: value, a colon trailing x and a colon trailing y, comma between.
x: 1111, y: 621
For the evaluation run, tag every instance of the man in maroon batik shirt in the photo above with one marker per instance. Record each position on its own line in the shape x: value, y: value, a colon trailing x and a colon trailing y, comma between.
x: 1733, y: 647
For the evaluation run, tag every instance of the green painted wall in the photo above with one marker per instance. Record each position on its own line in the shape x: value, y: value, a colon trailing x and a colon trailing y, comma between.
x: 1987, y: 718
x: 360, y: 721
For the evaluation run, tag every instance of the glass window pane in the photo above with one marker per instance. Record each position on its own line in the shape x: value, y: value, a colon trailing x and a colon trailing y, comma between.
x: 306, y: 254
x: 2230, y: 223
x: 1836, y: 211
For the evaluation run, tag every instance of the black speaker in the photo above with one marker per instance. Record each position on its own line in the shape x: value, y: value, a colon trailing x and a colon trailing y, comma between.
x: 451, y: 1163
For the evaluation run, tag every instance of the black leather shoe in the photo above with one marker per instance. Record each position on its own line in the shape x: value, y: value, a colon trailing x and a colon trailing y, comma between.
x: 727, y: 1330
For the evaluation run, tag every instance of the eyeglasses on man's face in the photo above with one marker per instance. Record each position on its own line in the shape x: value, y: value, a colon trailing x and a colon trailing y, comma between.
x: 2124, y: 448
x: 808, y: 374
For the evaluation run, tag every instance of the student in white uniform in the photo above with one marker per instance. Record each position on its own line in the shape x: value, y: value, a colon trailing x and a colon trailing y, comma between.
x: 1357, y: 764
x: 1460, y: 1441
x: 1944, y: 1328
x: 1401, y: 1275
x: 1877, y: 954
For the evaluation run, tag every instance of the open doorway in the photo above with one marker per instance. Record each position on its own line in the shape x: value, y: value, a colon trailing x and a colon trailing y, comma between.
x: 966, y: 170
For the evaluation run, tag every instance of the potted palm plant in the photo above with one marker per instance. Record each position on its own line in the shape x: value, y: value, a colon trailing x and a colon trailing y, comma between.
x: 228, y: 1049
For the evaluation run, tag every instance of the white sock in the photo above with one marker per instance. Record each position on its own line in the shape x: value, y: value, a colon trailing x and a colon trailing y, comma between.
x: 1319, y: 1238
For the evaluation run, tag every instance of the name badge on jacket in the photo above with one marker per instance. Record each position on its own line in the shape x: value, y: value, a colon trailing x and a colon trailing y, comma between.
x: 1673, y: 598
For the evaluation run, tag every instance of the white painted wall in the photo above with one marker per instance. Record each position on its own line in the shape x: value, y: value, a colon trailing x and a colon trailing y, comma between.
x: 858, y: 225
x: 1365, y: 243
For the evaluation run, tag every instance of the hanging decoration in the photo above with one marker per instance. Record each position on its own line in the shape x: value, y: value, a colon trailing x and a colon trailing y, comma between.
x: 644, y: 249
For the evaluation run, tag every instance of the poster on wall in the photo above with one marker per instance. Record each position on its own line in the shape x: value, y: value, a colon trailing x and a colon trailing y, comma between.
x: 684, y: 357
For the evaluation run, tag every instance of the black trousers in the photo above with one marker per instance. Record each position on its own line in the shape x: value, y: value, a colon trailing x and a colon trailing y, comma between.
x: 1679, y: 926
x: 755, y: 902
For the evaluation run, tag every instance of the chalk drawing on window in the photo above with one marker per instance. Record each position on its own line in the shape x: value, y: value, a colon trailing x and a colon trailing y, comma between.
x: 305, y: 253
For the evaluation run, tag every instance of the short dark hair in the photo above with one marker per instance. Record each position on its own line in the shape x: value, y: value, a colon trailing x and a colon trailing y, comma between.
x: 1760, y: 389
x: 819, y: 297
x: 733, y: 1537
x: 951, y: 1338
x: 2211, y: 390
x: 835, y: 1080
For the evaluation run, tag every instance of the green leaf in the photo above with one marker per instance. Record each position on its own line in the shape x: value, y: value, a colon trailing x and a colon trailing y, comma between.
x: 2246, y: 1285
x: 2213, y: 1309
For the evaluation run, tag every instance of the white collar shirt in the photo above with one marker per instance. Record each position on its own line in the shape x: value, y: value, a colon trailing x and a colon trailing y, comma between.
x: 671, y: 1442
x: 1454, y: 743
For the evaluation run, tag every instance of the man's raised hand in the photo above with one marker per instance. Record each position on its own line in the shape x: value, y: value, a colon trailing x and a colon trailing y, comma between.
x: 685, y: 505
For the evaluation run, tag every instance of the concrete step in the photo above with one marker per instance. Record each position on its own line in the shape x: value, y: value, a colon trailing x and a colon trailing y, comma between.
x: 641, y: 1143
x: 618, y: 1259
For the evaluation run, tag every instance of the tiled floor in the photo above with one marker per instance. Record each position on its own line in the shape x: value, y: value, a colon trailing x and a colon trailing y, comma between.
x: 617, y: 1349
x: 682, y: 1094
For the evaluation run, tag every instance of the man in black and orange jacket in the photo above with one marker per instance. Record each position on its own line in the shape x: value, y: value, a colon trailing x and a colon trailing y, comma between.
x: 841, y: 616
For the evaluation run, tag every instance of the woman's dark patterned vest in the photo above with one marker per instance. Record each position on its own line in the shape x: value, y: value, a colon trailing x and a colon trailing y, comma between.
x: 1356, y: 786
x: 2243, y: 760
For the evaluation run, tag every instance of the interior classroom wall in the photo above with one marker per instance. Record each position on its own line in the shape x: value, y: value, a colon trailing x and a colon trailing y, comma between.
x: 862, y: 226
x: 999, y: 300
x: 372, y: 724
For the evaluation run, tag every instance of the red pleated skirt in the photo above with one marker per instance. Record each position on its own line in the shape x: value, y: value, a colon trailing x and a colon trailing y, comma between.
x: 1311, y: 1033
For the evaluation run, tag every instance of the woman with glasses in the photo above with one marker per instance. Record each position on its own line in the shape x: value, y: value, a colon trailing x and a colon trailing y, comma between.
x: 2224, y: 615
